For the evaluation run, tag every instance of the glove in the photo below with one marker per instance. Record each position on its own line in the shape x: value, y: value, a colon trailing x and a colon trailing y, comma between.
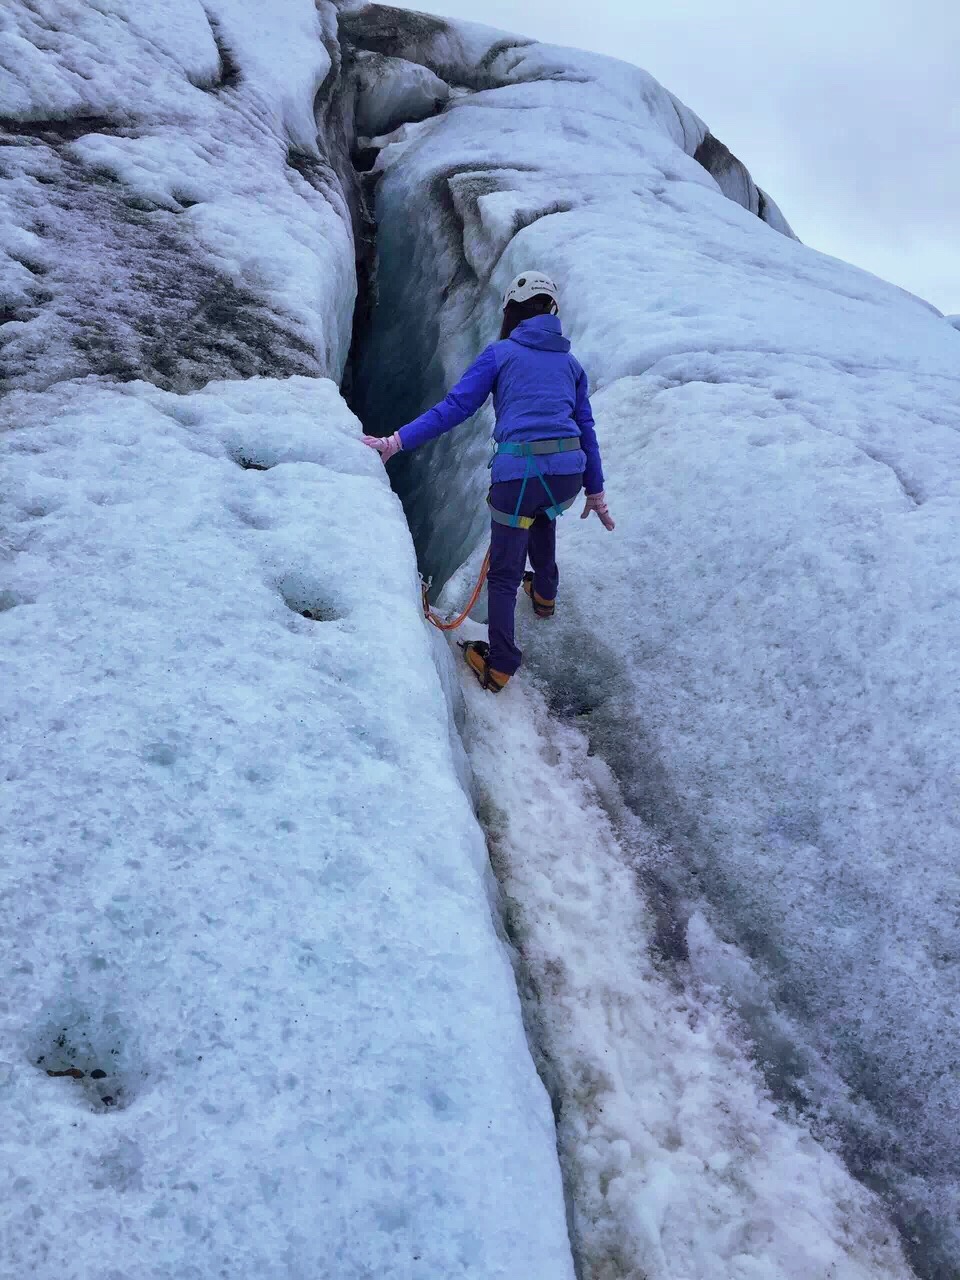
x: 386, y: 446
x: 598, y: 503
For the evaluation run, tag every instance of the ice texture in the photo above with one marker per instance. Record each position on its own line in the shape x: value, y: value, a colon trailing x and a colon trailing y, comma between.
x: 766, y: 651
x: 245, y: 898
x: 258, y: 1017
x: 392, y: 92
x: 474, y: 57
x: 677, y: 1160
x: 166, y: 209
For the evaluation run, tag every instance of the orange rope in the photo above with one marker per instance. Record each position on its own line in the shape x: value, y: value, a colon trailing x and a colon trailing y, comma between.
x: 458, y: 621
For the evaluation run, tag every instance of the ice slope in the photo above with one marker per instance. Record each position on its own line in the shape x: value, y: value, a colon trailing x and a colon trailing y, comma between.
x: 677, y: 1161
x: 766, y: 651
x: 256, y: 1016
x: 166, y: 208
x: 349, y: 1093
x: 469, y: 58
x: 241, y: 876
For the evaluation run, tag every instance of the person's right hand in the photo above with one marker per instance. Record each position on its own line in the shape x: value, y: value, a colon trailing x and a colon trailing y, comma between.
x: 386, y: 446
x: 598, y: 503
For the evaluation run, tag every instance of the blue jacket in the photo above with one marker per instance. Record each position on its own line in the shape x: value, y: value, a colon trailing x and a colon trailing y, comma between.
x: 540, y: 392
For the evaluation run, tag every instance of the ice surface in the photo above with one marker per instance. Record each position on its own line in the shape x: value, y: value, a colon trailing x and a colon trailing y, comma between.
x: 241, y: 877
x: 257, y: 1019
x: 766, y: 649
x: 392, y: 92
x: 165, y: 209
x: 677, y: 1162
x: 475, y: 57
x: 734, y: 180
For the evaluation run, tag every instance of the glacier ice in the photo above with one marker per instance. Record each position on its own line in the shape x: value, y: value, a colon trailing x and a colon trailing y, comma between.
x: 249, y: 886
x: 162, y: 217
x: 224, y: 890
x: 677, y: 1159
x: 766, y: 654
x: 256, y: 1019
x: 391, y: 92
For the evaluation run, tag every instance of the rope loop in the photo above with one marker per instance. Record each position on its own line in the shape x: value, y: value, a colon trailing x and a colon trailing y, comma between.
x: 451, y: 624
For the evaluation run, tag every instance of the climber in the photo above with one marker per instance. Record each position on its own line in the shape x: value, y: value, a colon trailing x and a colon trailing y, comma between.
x: 546, y: 450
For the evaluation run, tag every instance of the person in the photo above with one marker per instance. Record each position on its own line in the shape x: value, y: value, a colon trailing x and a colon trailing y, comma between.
x: 546, y: 451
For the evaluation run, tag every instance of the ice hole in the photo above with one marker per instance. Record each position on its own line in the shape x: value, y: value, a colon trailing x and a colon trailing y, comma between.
x: 308, y: 599
x: 364, y: 158
x: 9, y: 601
x: 92, y: 1053
x: 318, y: 613
x: 246, y: 460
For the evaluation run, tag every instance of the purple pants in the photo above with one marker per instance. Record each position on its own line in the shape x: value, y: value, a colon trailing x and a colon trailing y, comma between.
x: 508, y: 558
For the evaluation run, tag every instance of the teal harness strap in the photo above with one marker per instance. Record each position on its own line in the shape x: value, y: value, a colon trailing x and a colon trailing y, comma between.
x: 525, y: 522
x: 526, y: 476
x: 552, y: 511
x: 531, y: 450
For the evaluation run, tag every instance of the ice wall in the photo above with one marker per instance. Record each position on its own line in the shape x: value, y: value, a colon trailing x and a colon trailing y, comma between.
x: 607, y: 125
x: 761, y: 653
x: 766, y: 649
x: 176, y: 197
x: 257, y: 1019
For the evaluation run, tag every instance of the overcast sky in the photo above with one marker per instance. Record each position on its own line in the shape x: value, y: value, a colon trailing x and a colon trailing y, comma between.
x: 847, y: 112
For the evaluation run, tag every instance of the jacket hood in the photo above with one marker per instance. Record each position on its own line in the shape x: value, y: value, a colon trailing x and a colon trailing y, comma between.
x: 543, y: 333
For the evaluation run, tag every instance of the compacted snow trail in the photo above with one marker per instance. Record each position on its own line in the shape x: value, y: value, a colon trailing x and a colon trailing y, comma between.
x: 677, y: 1163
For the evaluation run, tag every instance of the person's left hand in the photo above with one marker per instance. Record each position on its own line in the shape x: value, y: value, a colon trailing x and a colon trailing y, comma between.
x: 386, y: 446
x: 598, y: 503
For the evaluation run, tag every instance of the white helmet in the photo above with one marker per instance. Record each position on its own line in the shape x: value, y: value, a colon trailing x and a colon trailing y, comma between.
x: 528, y: 285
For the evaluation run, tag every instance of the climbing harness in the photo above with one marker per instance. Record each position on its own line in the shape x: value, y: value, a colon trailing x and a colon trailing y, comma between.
x: 530, y: 450
x: 534, y: 448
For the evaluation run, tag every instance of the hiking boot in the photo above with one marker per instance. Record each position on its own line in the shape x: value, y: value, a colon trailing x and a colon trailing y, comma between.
x: 542, y: 608
x: 476, y: 654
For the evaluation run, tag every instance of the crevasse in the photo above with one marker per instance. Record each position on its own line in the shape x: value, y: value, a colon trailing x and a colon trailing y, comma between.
x: 265, y: 897
x: 781, y: 436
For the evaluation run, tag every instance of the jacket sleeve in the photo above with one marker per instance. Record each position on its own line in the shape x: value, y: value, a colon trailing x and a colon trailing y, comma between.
x: 583, y: 416
x: 463, y: 401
